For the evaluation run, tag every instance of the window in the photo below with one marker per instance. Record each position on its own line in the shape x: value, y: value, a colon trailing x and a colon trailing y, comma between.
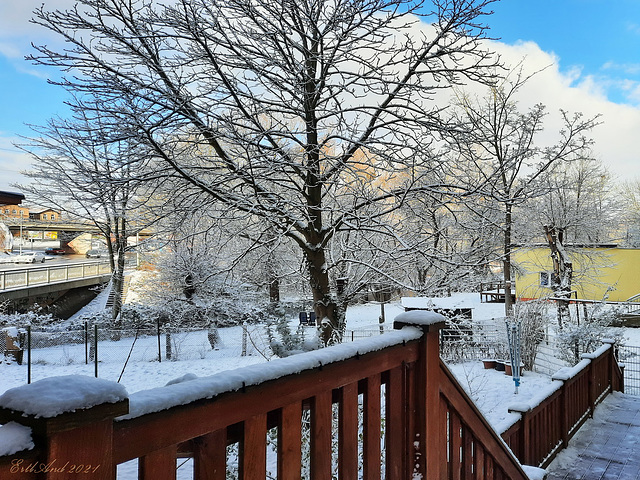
x: 53, y: 216
x: 14, y: 212
x: 44, y: 216
x: 545, y: 279
x: 6, y: 210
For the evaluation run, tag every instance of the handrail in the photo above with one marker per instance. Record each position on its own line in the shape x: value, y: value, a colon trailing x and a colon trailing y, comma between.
x: 534, y: 438
x: 334, y: 403
x: 20, y: 278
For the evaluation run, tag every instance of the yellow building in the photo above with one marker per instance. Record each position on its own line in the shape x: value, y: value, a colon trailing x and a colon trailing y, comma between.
x: 599, y: 272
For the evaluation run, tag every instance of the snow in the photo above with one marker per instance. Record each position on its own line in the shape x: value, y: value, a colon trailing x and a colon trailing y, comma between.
x: 53, y: 396
x: 419, y: 317
x: 453, y: 302
x: 567, y: 373
x: 534, y: 473
x: 188, y: 389
x: 493, y: 392
x: 597, y: 353
x: 14, y: 438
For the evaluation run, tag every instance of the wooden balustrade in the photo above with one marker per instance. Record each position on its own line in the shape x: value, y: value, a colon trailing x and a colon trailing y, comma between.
x: 546, y: 427
x: 380, y: 408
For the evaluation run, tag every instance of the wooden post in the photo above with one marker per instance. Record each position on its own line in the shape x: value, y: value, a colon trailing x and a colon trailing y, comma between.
x: 526, y: 439
x: 210, y: 456
x: 72, y: 444
x: 564, y: 415
x: 75, y: 443
x: 616, y: 383
x: 430, y: 461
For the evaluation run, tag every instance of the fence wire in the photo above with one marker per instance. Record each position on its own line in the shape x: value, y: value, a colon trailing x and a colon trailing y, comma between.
x: 43, y: 351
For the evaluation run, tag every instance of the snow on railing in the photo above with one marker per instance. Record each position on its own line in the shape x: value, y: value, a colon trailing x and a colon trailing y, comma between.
x: 324, y: 413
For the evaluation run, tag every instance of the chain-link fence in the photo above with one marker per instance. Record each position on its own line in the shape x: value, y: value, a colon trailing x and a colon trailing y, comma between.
x: 42, y: 351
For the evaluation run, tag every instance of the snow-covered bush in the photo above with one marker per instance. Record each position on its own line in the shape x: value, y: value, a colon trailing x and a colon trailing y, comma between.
x: 533, y: 319
x: 574, y: 339
x: 285, y: 341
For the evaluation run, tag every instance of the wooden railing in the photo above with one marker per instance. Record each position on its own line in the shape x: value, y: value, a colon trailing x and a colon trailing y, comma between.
x: 546, y: 426
x: 385, y: 407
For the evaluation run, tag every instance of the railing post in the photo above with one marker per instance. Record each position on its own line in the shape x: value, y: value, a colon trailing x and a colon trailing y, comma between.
x: 615, y: 380
x: 592, y: 386
x: 429, y: 441
x: 72, y: 430
x: 526, y: 440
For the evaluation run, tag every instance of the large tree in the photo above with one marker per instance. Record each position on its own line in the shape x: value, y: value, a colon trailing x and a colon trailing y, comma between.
x: 280, y: 108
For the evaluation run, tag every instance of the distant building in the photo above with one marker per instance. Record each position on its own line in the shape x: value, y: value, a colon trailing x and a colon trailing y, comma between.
x: 14, y: 211
x: 599, y: 272
x: 47, y: 215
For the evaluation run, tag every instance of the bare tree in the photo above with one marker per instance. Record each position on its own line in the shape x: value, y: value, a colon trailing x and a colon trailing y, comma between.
x: 495, y: 146
x: 85, y: 173
x: 279, y: 108
x: 581, y: 202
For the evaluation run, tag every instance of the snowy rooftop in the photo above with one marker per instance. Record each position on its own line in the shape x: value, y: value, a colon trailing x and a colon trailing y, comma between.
x: 449, y: 303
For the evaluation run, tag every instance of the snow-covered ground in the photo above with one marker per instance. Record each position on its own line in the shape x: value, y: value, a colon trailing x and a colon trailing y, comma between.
x: 493, y: 391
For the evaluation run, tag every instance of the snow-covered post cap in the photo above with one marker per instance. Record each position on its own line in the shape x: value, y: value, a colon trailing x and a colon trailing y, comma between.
x: 419, y: 318
x: 58, y: 403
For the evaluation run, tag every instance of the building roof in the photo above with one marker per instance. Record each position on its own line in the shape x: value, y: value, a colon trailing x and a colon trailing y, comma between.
x: 11, y: 198
x: 425, y: 303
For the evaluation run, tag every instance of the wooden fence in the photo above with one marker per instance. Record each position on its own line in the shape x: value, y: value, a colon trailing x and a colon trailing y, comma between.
x: 546, y: 427
x: 385, y: 407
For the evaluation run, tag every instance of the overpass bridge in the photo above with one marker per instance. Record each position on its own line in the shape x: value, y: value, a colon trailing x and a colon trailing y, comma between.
x: 32, y: 282
x: 60, y: 227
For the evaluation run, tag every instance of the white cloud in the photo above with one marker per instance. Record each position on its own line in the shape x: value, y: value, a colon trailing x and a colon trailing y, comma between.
x: 12, y: 162
x: 616, y: 138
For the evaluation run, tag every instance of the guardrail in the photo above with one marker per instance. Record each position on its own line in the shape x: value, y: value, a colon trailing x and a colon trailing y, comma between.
x: 546, y: 426
x: 18, y: 279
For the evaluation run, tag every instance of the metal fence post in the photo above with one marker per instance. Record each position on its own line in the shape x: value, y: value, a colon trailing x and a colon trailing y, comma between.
x: 86, y: 343
x: 244, y: 339
x: 95, y: 348
x: 159, y: 344
x: 29, y: 353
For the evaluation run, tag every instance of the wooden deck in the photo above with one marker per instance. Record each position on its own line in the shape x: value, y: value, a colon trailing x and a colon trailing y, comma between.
x: 606, y: 447
x: 495, y: 292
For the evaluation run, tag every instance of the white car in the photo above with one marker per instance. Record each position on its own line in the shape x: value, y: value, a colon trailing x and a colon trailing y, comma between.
x: 29, y: 257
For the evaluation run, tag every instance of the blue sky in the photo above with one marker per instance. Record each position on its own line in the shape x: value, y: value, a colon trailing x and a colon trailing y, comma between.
x: 600, y: 37
x: 593, y: 45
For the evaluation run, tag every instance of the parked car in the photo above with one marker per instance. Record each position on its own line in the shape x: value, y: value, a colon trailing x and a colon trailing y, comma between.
x: 54, y: 251
x: 29, y: 257
x: 96, y: 253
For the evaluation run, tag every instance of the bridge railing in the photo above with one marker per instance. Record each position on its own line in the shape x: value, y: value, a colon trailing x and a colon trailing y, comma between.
x: 16, y: 279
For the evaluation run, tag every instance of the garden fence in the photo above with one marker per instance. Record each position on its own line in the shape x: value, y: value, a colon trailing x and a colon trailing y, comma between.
x: 106, y: 352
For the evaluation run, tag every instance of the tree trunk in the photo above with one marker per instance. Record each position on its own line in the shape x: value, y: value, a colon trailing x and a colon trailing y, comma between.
x: 330, y: 316
x: 117, y: 258
x: 506, y: 262
x: 562, y: 273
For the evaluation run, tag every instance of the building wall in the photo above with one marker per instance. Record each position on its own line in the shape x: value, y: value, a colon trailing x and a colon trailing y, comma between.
x: 597, y: 272
x: 14, y: 211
